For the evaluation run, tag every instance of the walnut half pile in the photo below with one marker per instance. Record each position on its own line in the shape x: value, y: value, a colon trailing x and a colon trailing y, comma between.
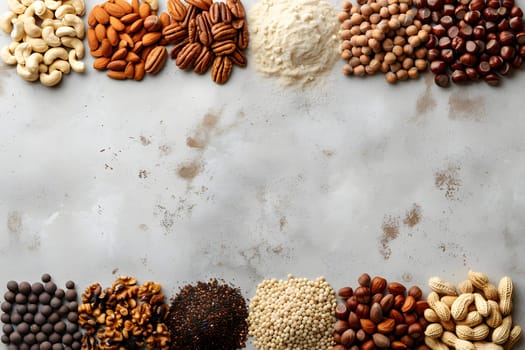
x: 125, y: 316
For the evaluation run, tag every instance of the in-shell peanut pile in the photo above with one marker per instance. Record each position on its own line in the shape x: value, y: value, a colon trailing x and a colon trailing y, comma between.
x: 474, y: 316
x: 46, y: 38
x: 125, y: 315
x: 296, y: 313
x: 126, y: 39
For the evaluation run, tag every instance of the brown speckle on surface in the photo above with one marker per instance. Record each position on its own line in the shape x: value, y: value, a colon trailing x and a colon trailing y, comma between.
x: 164, y: 150
x: 448, y: 180
x: 407, y: 277
x: 143, y: 227
x: 390, y: 232
x: 413, y: 216
x: 115, y: 270
x: 462, y: 107
x: 328, y: 153
x: 143, y: 174
x: 282, y: 223
x: 201, y: 135
x: 144, y: 141
x: 189, y: 170
x: 426, y: 101
x: 14, y: 222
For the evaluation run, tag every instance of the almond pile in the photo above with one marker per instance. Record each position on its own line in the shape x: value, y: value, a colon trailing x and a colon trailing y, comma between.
x: 380, y: 315
x: 126, y: 39
x: 207, y: 34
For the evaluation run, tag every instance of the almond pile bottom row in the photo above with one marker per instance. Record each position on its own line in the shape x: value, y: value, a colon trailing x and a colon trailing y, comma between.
x: 294, y: 313
x: 459, y: 41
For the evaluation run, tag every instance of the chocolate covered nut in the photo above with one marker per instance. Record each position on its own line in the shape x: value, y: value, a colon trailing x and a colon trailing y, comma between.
x: 37, y: 288
x: 8, y: 329
x: 44, y: 298
x: 72, y: 317
x: 67, y: 339
x: 76, y: 345
x: 47, y: 328
x: 28, y: 318
x: 63, y: 311
x: 71, y: 295
x: 15, y: 338
x: 32, y: 308
x: 24, y: 287
x: 29, y: 339
x: 4, y: 339
x: 46, y: 277
x: 16, y: 319
x: 46, y: 310
x: 32, y: 298
x: 54, y: 338
x: 73, y: 306
x: 60, y: 293
x: 71, y: 328
x: 55, y: 303
x: 70, y: 284
x: 50, y: 287
x: 9, y: 296
x: 57, y: 346
x: 40, y: 319
x: 12, y: 286
x: 22, y: 328
x: 20, y: 298
x: 41, y: 337
x: 60, y: 327
x: 6, y: 306
x: 34, y: 328
x: 5, y: 318
x: 21, y: 309
x: 45, y: 346
x: 53, y: 318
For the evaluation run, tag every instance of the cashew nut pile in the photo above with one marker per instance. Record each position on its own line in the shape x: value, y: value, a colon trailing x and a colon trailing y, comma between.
x: 47, y: 38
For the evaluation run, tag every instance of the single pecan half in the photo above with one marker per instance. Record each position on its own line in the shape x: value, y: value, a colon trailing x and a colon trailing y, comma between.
x: 204, y: 61
x: 238, y: 58
x: 176, y: 9
x: 204, y: 28
x: 221, y: 69
x: 236, y: 8
x: 221, y: 48
x: 175, y: 33
x: 223, y: 31
x: 187, y: 56
x: 155, y: 61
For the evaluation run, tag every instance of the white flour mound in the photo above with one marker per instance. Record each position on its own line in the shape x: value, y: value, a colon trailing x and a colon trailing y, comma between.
x: 294, y: 40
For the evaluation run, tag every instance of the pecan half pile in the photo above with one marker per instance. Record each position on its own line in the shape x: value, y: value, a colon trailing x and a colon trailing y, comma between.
x: 208, y: 34
x: 125, y: 316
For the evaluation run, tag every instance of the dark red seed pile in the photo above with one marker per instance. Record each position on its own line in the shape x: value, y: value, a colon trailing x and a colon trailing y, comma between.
x: 40, y: 316
x: 473, y: 39
x: 208, y: 316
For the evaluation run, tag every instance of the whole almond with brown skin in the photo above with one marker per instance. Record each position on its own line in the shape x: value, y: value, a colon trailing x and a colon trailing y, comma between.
x: 353, y: 321
x: 129, y: 18
x: 115, y: 10
x: 401, y: 329
x: 396, y: 315
x: 337, y: 337
x: 380, y: 340
x: 399, y: 300
x: 345, y: 292
x: 130, y: 73
x: 116, y: 23
x: 151, y: 38
x: 100, y: 32
x: 367, y: 325
x: 397, y: 345
x: 156, y: 60
x: 368, y: 345
x: 409, y: 305
x: 101, y: 63
x: 396, y: 288
x: 113, y: 36
x: 387, y: 326
x: 135, y: 26
x: 118, y: 65
x: 139, y: 71
x: 152, y: 23
x: 364, y: 280
x: 387, y: 302
x: 100, y: 14
x: 416, y: 292
x: 352, y: 303
x: 421, y: 306
x: 118, y: 75
x: 360, y: 335
x: 341, y: 311
x: 92, y: 39
x: 377, y: 285
x: 376, y: 313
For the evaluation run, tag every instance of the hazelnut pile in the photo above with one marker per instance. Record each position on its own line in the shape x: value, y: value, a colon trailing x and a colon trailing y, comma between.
x: 125, y: 315
x: 473, y: 39
x: 383, y: 36
x: 475, y: 315
x: 380, y: 315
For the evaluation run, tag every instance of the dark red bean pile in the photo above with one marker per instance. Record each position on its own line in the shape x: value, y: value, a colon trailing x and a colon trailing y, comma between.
x: 40, y: 316
x: 473, y: 39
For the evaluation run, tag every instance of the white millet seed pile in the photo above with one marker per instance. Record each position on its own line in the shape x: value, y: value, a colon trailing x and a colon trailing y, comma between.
x: 292, y: 314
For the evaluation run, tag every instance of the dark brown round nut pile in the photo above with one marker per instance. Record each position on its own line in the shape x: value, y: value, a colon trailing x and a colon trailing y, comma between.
x: 473, y: 39
x: 383, y: 36
x: 126, y: 38
x: 208, y: 34
x: 125, y: 315
x: 40, y: 316
x: 379, y: 315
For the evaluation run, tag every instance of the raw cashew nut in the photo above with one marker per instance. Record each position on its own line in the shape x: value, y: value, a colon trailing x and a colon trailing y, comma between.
x: 79, y: 5
x: 60, y: 65
x: 48, y: 35
x: 42, y: 68
x: 74, y: 43
x: 16, y: 6
x: 56, y: 52
x: 75, y: 22
x: 5, y: 21
x: 30, y: 28
x: 40, y: 7
x: 54, y: 23
x: 53, y: 5
x: 65, y: 31
x: 7, y: 56
x: 33, y: 61
x: 76, y: 65
x: 37, y: 44
x: 62, y: 10
x: 153, y: 4
x: 26, y: 3
x: 51, y: 79
x: 48, y: 14
x: 25, y: 73
x: 22, y: 52
x: 18, y: 30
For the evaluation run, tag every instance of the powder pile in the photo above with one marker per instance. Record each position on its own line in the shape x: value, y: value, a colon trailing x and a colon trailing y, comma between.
x: 293, y: 314
x: 208, y: 316
x: 294, y: 40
